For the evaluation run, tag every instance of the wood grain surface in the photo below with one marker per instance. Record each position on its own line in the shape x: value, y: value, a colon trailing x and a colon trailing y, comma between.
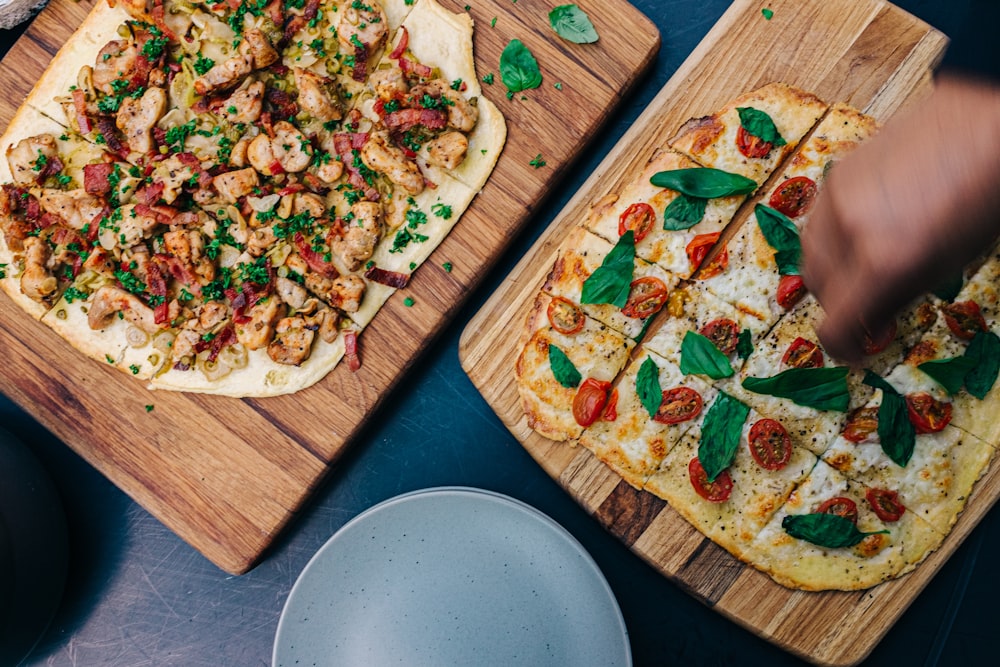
x: 867, y: 53
x: 227, y: 475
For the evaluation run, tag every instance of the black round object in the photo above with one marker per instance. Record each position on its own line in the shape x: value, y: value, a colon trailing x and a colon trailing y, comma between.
x: 34, y: 550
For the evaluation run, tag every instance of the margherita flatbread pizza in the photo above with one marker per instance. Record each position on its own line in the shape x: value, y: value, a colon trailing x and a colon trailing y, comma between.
x: 223, y: 196
x: 823, y: 476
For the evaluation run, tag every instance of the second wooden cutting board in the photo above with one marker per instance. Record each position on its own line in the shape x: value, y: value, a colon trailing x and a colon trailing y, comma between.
x: 867, y: 53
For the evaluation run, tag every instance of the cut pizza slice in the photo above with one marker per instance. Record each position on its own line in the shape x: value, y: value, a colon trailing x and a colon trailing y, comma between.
x: 655, y: 403
x: 752, y: 134
x: 672, y: 228
x: 564, y: 375
x: 828, y: 536
x: 692, y: 309
x: 608, y: 281
x: 730, y: 472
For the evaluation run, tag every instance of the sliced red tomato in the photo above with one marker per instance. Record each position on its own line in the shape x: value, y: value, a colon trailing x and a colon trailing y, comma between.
x: 770, y: 444
x: 590, y: 399
x: 639, y: 217
x: 678, y: 405
x: 565, y: 316
x: 752, y: 146
x: 928, y: 414
x: 861, y: 423
x: 714, y: 492
x: 840, y: 506
x: 611, y: 409
x: 794, y: 196
x: 699, y: 246
x: 724, y: 334
x: 803, y: 353
x: 872, y: 346
x: 646, y: 296
x: 791, y: 289
x: 964, y: 318
x: 885, y: 503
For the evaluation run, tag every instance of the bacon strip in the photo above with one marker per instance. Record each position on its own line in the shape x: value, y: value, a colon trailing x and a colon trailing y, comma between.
x: 386, y: 277
x: 95, y: 178
x: 406, y: 119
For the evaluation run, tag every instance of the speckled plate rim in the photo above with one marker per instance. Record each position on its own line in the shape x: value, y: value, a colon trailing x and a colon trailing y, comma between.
x: 525, y: 510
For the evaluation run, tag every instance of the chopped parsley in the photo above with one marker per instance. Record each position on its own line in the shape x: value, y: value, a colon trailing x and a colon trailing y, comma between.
x: 203, y: 64
x: 488, y: 79
x: 408, y: 302
x: 768, y: 13
x: 441, y: 210
x: 537, y: 162
x: 134, y: 369
x: 73, y: 294
x: 149, y: 408
x: 447, y: 266
x: 176, y: 136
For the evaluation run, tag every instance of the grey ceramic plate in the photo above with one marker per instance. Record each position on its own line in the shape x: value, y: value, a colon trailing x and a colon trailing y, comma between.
x: 451, y: 576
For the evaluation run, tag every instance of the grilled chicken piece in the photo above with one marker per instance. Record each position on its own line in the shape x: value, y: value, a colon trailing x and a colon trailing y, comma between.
x: 292, y: 343
x: 108, y: 301
x: 23, y: 157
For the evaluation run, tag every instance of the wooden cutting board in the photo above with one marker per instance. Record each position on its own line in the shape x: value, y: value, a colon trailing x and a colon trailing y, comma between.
x: 228, y: 474
x: 867, y: 53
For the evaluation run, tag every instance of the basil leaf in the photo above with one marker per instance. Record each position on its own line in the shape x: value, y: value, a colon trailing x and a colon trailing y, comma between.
x: 700, y: 356
x: 760, y: 125
x: 611, y: 281
x: 825, y: 530
x: 572, y: 24
x: 647, y: 386
x: 949, y: 373
x: 518, y: 68
x: 703, y: 182
x: 684, y: 212
x: 744, y: 344
x: 896, y: 432
x: 720, y: 434
x: 985, y: 349
x: 948, y: 290
x: 563, y: 369
x: 782, y: 235
x: 819, y: 388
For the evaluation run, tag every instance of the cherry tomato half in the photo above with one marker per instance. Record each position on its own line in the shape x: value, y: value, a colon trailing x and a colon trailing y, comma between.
x: 697, y: 249
x: 885, y: 504
x: 565, y: 316
x: 791, y: 289
x: 803, y: 353
x: 794, y: 196
x: 590, y: 400
x: 639, y: 217
x: 872, y: 346
x: 714, y: 492
x: 840, y: 506
x: 724, y: 334
x: 861, y: 423
x: 770, y: 444
x: 964, y: 319
x: 611, y: 409
x: 646, y: 296
x: 752, y: 146
x: 928, y: 414
x: 678, y: 405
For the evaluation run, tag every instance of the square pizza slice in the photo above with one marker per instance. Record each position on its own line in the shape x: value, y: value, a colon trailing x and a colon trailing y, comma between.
x: 655, y: 404
x: 564, y: 379
x: 828, y: 536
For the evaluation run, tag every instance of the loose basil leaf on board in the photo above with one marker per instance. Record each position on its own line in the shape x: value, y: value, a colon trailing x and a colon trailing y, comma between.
x: 647, y: 386
x: 820, y: 388
x: 896, y: 432
x: 825, y: 530
x: 684, y: 212
x: 782, y: 235
x: 720, y: 434
x: 700, y: 356
x: 760, y: 125
x: 572, y: 24
x: 563, y: 369
x: 703, y: 182
x: 949, y: 373
x: 744, y: 344
x: 611, y: 281
x: 985, y: 349
x: 518, y: 68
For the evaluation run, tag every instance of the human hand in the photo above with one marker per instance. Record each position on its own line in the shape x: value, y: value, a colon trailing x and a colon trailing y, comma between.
x: 904, y: 212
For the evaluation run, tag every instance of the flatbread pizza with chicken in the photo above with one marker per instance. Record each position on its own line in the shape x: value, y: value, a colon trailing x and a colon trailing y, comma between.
x: 223, y: 196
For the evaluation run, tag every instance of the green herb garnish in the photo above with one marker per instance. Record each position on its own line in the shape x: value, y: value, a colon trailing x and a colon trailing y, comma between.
x: 819, y: 388
x: 684, y: 212
x: 518, y: 67
x: 825, y: 530
x: 611, y: 281
x: 572, y: 24
x: 720, y: 434
x: 647, y: 386
x: 700, y: 356
x: 760, y: 125
x: 563, y: 369
x: 703, y: 182
x: 782, y: 235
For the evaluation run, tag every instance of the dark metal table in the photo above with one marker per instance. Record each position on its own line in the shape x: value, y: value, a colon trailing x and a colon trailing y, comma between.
x: 138, y: 595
